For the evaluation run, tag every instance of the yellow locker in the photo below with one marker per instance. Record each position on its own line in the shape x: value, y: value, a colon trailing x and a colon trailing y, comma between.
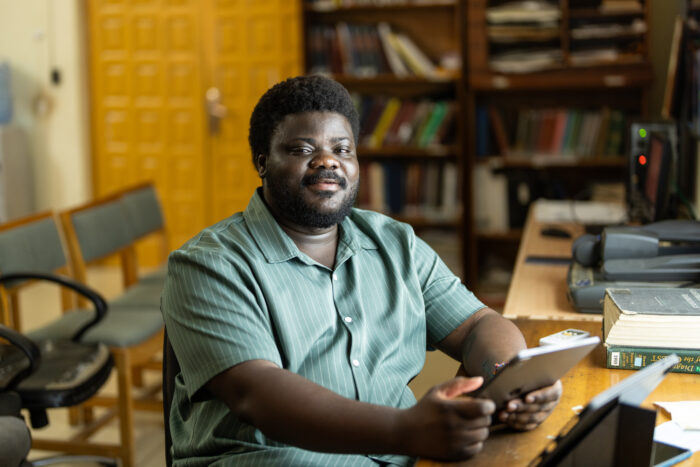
x: 173, y: 83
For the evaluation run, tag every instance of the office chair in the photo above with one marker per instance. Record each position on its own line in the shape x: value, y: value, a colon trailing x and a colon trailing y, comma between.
x: 37, y: 376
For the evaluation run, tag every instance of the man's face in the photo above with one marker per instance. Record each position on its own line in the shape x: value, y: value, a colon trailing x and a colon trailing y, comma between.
x: 311, y: 176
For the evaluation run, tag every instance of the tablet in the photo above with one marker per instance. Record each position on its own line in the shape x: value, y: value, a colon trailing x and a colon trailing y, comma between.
x: 534, y: 368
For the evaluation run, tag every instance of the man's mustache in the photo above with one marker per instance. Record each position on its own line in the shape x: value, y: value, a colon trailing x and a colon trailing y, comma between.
x: 324, y: 175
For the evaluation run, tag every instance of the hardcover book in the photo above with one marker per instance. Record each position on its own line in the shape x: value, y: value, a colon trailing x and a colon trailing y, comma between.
x: 634, y: 358
x: 665, y: 318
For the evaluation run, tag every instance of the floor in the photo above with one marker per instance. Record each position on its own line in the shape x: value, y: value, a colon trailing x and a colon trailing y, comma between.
x: 44, y: 301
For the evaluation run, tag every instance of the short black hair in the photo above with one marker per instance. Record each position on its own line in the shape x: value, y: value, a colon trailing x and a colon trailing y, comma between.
x: 312, y: 93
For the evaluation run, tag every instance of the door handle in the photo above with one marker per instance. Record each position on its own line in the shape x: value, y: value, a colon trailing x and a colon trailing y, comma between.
x: 215, y: 109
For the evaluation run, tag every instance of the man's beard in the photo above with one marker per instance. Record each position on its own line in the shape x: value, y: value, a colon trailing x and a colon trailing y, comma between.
x: 295, y: 209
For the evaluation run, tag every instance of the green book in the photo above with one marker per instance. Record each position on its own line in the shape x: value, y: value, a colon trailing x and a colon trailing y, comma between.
x: 572, y: 133
x: 431, y: 126
x: 634, y: 358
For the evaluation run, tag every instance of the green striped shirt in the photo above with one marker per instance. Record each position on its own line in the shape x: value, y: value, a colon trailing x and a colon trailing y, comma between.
x: 242, y: 290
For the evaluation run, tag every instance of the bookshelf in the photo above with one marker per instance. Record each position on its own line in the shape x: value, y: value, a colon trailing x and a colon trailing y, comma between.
x: 411, y: 146
x: 548, y: 95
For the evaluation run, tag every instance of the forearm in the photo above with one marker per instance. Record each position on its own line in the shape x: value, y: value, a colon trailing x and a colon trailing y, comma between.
x: 291, y: 409
x: 493, y: 339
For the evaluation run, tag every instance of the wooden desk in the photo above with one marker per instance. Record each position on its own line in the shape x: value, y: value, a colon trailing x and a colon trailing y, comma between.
x: 538, y: 291
x: 537, y: 304
x: 587, y: 379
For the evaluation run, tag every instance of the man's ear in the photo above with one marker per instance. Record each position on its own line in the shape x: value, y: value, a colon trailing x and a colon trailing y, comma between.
x: 261, y: 165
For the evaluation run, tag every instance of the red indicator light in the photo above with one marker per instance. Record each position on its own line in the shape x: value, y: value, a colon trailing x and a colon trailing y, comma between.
x: 642, y: 159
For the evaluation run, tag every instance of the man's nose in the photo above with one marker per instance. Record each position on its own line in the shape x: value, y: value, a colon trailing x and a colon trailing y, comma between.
x: 324, y: 159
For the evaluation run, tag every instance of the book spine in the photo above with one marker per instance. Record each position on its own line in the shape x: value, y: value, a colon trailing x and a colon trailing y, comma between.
x: 634, y: 358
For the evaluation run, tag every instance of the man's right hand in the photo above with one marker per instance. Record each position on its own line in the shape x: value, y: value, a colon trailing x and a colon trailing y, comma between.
x: 443, y: 425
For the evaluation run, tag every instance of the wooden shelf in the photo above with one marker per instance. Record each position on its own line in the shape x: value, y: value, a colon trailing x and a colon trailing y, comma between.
x: 380, y: 8
x: 566, y: 78
x: 577, y: 13
x: 408, y: 152
x: 512, y: 235
x: 539, y: 162
x: 404, y: 87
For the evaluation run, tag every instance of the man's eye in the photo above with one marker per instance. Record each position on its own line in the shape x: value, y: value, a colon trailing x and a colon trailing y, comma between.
x: 301, y: 150
x: 344, y: 150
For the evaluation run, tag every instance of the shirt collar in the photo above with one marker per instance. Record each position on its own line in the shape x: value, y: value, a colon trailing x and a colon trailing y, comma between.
x: 276, y: 245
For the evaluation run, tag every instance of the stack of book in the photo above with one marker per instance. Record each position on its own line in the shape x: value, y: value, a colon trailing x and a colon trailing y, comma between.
x: 524, y: 36
x: 367, y: 50
x: 642, y: 325
x: 615, y: 36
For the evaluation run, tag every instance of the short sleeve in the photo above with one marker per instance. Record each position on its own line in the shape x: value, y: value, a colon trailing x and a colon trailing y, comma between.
x: 448, y: 303
x: 215, y: 315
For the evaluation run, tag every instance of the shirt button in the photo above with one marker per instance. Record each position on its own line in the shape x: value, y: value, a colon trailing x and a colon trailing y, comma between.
x: 348, y: 319
x: 335, y: 277
x: 355, y: 363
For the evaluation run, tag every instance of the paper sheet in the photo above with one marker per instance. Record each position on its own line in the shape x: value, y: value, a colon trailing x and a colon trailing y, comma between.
x: 585, y: 212
x: 686, y: 414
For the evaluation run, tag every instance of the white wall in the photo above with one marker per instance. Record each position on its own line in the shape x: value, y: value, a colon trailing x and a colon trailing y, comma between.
x: 37, y: 36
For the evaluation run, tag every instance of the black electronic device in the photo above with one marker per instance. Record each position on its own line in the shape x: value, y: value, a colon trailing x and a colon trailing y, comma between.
x: 667, y: 454
x: 652, y: 166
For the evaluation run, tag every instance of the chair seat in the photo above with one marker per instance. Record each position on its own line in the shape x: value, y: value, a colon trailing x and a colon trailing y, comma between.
x: 119, y: 328
x: 143, y: 296
x: 69, y: 373
x: 155, y: 277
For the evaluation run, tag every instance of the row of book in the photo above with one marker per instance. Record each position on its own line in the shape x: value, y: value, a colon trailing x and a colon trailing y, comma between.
x: 643, y: 325
x: 428, y: 190
x: 390, y: 121
x: 554, y: 132
x: 366, y: 50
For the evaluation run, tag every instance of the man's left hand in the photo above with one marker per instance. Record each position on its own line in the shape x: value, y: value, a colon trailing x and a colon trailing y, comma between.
x: 527, y: 413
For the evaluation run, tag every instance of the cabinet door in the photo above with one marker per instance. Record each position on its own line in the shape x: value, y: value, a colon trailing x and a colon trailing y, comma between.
x: 151, y: 65
x: 249, y: 46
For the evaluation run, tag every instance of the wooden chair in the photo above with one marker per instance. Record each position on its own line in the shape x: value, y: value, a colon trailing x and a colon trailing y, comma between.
x: 95, y: 232
x: 34, y: 244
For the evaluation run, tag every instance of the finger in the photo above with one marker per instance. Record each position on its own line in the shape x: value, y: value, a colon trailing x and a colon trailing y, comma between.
x: 473, y: 436
x: 521, y: 419
x: 470, y: 407
x: 474, y: 424
x: 520, y: 406
x: 459, y: 385
x: 545, y: 394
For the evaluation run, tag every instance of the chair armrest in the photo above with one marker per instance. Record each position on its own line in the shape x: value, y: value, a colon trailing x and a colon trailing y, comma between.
x: 28, y: 347
x: 96, y: 299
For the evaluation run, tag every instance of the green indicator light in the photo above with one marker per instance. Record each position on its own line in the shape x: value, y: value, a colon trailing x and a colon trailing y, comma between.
x: 642, y: 132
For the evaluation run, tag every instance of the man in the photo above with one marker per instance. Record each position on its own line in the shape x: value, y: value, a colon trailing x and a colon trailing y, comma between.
x: 299, y: 323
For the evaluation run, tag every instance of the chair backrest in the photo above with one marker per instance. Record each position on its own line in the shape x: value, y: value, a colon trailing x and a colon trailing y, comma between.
x: 171, y: 367
x: 30, y: 244
x: 99, y: 230
x: 143, y: 210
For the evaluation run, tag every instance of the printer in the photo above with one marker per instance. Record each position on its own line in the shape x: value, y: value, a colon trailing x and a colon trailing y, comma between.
x: 660, y: 254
